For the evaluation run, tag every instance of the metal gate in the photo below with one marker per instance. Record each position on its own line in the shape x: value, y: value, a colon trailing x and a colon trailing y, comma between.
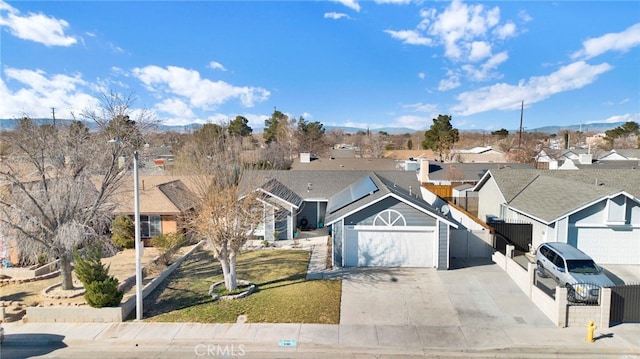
x: 625, y: 304
x: 518, y: 234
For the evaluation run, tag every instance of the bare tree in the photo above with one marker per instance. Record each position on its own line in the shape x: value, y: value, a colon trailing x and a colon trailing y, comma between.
x: 58, y: 184
x: 227, y: 209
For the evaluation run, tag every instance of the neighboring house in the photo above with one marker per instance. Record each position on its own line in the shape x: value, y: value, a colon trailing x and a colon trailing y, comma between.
x: 621, y: 155
x: 375, y: 218
x: 440, y: 177
x: 597, y: 211
x: 345, y: 164
x: 478, y: 154
x: 163, y: 202
x: 584, y: 159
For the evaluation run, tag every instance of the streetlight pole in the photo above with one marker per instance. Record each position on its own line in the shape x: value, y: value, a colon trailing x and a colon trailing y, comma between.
x: 138, y: 244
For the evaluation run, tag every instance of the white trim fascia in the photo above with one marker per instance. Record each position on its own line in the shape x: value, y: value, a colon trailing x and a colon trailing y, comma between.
x: 606, y: 197
x: 605, y: 225
x: 395, y: 228
x: 281, y: 199
x: 425, y: 211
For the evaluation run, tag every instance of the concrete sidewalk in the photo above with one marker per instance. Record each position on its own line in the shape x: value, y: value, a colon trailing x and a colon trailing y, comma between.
x: 619, y: 341
x: 463, y: 332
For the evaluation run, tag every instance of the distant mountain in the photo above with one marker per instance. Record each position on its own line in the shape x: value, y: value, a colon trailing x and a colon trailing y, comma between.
x: 10, y: 124
x: 590, y: 127
x: 389, y: 130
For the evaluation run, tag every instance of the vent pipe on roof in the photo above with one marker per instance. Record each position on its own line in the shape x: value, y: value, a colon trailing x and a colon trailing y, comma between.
x: 410, y: 190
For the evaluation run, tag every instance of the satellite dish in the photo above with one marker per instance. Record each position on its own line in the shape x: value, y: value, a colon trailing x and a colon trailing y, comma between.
x: 444, y: 209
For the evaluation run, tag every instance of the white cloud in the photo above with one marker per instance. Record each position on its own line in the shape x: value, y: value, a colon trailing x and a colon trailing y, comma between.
x: 505, y: 31
x: 175, y: 107
x: 508, y: 97
x: 451, y: 82
x: 422, y: 75
x: 524, y: 16
x: 216, y: 66
x: 40, y: 28
x: 115, y: 48
x: 621, y: 41
x: 460, y: 24
x: 468, y: 34
x: 394, y: 2
x: 351, y: 4
x: 486, y: 70
x: 412, y: 122
x: 627, y: 117
x: 422, y: 107
x: 90, y: 34
x: 410, y: 37
x: 479, y: 50
x: 336, y: 15
x: 201, y: 93
x: 40, y: 92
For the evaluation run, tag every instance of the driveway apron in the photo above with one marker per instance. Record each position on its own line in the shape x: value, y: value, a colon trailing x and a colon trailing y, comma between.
x: 480, y: 296
x: 395, y: 296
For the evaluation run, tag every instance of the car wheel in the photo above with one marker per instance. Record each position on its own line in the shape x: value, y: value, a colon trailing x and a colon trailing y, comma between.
x: 540, y: 270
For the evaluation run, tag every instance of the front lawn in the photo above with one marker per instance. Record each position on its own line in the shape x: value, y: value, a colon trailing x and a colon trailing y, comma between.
x: 283, y: 295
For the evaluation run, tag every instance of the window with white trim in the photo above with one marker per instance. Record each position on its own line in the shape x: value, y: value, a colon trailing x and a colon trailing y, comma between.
x: 150, y: 226
x: 389, y: 218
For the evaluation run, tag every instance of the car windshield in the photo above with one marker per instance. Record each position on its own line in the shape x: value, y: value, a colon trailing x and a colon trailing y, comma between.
x: 583, y: 266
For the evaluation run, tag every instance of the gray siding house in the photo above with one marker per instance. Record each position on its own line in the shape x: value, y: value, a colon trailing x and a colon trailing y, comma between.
x: 375, y: 218
x: 597, y: 211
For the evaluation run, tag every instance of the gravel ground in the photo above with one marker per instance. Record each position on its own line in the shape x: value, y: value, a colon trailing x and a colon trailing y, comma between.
x: 14, y: 298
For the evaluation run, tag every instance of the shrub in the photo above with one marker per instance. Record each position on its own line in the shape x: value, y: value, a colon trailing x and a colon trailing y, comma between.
x: 168, y: 244
x: 123, y: 232
x: 101, y: 289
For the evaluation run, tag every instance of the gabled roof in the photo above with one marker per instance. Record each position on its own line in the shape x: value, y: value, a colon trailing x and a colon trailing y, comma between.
x: 158, y: 195
x: 346, y: 164
x: 548, y: 198
x: 621, y: 154
x: 467, y: 172
x: 275, y: 188
x: 552, y: 194
x: 178, y: 194
x: 321, y: 185
x: 387, y: 187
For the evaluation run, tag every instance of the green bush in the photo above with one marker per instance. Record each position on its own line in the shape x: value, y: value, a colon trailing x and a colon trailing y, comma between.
x: 123, y: 232
x: 101, y: 289
x: 168, y: 244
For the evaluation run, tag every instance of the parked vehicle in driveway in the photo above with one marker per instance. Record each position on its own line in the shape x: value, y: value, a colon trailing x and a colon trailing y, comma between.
x: 572, y: 268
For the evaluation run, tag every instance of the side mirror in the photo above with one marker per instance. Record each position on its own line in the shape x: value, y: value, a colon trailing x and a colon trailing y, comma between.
x: 561, y: 269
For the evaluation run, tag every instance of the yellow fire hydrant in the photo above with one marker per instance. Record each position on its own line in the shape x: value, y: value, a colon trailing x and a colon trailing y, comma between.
x: 591, y: 327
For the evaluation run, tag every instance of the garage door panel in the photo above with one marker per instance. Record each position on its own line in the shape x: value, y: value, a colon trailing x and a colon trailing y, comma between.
x: 606, y: 246
x: 390, y: 249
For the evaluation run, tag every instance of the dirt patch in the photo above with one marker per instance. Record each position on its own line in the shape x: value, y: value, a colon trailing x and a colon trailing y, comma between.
x: 16, y: 297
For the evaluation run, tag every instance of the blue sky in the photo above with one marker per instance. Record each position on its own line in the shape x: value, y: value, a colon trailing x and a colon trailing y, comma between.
x: 352, y: 63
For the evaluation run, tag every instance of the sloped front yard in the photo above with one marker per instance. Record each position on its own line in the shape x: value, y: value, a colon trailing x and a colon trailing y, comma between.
x: 283, y: 295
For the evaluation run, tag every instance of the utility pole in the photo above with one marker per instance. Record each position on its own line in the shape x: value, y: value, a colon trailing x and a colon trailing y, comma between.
x: 53, y: 114
x: 520, y: 133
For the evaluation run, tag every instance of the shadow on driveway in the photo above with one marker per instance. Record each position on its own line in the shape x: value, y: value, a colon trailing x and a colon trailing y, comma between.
x: 28, y: 345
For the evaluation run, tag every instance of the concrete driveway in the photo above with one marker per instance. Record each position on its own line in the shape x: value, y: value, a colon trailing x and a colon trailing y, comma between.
x: 477, y: 295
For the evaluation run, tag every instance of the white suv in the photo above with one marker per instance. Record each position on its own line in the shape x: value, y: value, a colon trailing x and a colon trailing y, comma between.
x: 572, y: 268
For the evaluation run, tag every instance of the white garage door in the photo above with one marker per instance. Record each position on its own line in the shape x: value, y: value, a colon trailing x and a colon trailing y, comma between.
x: 607, y: 246
x: 377, y: 248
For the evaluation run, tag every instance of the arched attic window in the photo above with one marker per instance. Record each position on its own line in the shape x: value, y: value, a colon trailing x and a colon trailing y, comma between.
x: 389, y: 218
